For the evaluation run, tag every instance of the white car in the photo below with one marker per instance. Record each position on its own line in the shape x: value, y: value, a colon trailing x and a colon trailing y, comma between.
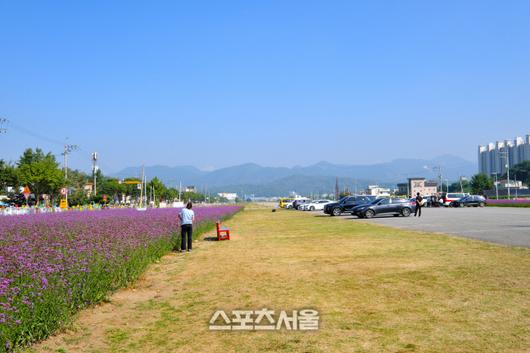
x: 317, y: 205
x: 289, y: 205
x: 303, y: 207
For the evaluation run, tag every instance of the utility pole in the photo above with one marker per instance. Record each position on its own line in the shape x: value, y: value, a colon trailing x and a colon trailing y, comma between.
x: 94, y: 171
x: 440, y: 179
x: 506, y: 155
x: 67, y: 150
x: 180, y: 189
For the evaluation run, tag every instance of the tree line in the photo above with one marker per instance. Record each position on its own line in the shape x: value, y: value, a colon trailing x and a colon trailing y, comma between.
x: 43, y: 175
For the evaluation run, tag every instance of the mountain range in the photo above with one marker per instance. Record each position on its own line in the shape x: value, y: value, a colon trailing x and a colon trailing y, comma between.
x: 251, y: 178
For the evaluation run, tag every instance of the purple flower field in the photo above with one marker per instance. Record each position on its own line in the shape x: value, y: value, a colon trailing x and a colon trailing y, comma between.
x: 51, y: 265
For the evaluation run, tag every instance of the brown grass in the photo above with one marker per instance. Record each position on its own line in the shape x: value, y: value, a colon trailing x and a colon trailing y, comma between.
x: 377, y: 289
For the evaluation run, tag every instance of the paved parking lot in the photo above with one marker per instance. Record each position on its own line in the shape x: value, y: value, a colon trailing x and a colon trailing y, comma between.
x: 505, y: 225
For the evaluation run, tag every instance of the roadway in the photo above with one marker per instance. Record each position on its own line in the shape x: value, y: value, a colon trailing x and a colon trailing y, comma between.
x: 503, y: 225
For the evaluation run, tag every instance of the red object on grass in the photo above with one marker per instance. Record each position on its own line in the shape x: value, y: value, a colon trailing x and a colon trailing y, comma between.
x: 222, y: 233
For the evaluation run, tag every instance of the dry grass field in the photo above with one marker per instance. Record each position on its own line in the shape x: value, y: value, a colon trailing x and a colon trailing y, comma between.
x: 377, y: 289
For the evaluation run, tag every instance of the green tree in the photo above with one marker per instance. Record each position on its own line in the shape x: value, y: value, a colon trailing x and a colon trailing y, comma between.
x: 110, y: 187
x: 40, y: 172
x: 159, y: 188
x: 77, y: 179
x: 132, y: 189
x: 29, y: 156
x: 520, y: 172
x: 78, y: 197
x: 457, y: 187
x: 172, y: 194
x: 8, y: 176
x: 481, y: 182
x: 193, y: 196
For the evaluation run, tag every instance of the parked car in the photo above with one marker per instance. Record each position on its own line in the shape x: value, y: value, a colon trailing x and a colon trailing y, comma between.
x: 396, y: 207
x: 356, y: 209
x: 453, y: 196
x: 429, y: 201
x: 305, y: 206
x: 468, y: 201
x: 288, y: 205
x: 317, y: 205
x: 346, y: 204
x: 298, y: 202
x: 284, y: 201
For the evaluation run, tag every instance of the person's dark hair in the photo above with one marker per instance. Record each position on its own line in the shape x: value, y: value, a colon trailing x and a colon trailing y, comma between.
x: 418, y: 194
x: 189, y: 205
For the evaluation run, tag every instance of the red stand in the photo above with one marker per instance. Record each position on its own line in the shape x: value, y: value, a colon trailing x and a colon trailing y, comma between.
x: 222, y: 233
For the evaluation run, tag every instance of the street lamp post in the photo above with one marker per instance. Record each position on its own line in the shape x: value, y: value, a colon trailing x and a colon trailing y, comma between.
x: 506, y: 155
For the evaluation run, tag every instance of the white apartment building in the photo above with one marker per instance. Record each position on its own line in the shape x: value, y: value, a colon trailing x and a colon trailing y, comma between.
x: 493, y: 157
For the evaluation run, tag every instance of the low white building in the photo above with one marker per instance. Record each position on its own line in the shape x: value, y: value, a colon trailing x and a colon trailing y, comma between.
x: 230, y: 196
x: 513, y: 184
x: 376, y: 190
x: 422, y: 186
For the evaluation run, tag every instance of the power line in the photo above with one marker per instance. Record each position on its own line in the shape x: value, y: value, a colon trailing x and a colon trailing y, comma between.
x: 42, y: 137
x: 36, y: 135
x: 3, y: 121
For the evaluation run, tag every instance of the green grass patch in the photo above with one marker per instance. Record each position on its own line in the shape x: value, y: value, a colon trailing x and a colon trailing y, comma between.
x: 377, y: 289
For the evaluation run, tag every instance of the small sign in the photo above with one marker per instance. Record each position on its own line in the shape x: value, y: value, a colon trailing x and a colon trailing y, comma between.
x: 26, y: 192
x: 63, y: 204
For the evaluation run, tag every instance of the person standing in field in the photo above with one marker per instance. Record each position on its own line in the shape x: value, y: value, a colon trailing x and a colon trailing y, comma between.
x: 419, y: 204
x: 186, y: 216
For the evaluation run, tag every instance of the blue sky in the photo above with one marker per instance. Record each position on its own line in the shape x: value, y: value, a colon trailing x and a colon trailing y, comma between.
x: 279, y: 83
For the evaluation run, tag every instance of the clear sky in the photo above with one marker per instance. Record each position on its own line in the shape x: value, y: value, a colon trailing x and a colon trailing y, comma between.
x: 279, y: 83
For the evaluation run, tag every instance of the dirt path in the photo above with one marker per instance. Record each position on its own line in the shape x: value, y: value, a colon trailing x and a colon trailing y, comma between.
x: 377, y: 290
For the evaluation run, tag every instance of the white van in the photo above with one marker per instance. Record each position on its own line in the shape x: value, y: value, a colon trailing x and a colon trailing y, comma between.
x: 453, y: 196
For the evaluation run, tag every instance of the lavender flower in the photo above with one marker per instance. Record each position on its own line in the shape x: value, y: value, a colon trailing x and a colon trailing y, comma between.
x: 53, y: 264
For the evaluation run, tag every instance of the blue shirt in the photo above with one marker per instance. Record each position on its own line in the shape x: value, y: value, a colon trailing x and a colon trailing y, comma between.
x: 186, y: 216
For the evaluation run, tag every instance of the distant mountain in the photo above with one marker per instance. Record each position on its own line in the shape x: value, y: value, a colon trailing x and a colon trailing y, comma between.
x: 301, y: 184
x: 251, y: 178
x: 249, y: 173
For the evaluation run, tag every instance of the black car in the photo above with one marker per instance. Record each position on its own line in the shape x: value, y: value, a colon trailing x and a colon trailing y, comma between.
x: 471, y: 200
x: 396, y: 207
x: 356, y: 209
x: 346, y: 204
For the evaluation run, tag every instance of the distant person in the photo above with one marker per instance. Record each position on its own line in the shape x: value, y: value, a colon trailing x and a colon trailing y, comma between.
x: 419, y: 204
x: 186, y: 216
